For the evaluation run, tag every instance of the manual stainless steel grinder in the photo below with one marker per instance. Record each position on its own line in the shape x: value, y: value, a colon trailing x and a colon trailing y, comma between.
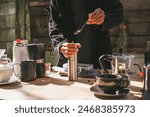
x: 72, y: 72
x: 146, y: 87
x: 73, y: 67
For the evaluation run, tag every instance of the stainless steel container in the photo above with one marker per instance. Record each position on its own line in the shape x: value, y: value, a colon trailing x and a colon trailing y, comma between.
x: 147, y: 77
x: 146, y: 87
x: 73, y: 65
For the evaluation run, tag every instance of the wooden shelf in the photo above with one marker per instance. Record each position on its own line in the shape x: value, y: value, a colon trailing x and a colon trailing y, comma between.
x: 34, y: 4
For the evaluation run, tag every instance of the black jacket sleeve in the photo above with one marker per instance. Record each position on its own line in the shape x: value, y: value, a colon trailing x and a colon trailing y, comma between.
x: 113, y: 13
x: 113, y: 16
x: 55, y: 32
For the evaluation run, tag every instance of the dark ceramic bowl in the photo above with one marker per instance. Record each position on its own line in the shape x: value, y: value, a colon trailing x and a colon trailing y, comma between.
x: 110, y: 83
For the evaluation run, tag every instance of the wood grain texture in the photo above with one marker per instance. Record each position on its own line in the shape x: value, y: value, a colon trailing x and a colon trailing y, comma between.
x: 7, y: 35
x: 56, y: 87
x: 5, y: 1
x: 23, y: 19
x: 136, y: 4
x: 7, y: 8
x: 141, y: 29
x: 138, y: 16
x: 36, y: 3
x: 7, y: 21
x: 133, y: 41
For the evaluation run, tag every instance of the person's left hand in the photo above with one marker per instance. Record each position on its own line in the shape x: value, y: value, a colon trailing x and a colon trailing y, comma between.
x: 68, y: 49
x: 96, y: 17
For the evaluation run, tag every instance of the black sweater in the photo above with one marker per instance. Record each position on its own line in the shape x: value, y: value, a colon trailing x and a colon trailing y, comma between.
x: 66, y: 16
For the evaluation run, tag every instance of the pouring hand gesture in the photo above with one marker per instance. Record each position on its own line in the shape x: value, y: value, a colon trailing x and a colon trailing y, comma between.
x: 96, y: 17
x: 68, y: 49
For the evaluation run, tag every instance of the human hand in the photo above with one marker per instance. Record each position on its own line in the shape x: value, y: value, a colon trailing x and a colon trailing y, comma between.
x: 68, y: 49
x: 96, y: 17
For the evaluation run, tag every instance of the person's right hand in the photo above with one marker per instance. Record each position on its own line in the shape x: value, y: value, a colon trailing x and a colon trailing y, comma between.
x: 68, y: 49
x: 96, y: 17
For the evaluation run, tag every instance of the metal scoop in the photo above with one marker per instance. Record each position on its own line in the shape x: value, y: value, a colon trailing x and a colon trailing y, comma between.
x: 79, y: 30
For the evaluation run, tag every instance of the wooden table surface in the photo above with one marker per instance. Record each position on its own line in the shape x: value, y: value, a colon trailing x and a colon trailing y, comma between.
x: 56, y: 87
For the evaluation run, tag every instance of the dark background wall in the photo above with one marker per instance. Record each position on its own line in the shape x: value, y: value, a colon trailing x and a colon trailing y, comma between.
x: 7, y: 23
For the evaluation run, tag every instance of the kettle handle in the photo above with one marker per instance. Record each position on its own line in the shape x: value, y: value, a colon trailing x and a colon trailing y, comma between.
x: 102, y: 59
x: 7, y: 59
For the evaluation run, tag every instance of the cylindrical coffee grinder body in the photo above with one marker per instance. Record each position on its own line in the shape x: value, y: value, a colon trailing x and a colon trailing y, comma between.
x: 72, y: 72
x: 146, y: 87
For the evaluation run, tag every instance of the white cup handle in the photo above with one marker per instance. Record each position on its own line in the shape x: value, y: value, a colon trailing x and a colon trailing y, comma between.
x: 17, y: 75
x: 7, y: 59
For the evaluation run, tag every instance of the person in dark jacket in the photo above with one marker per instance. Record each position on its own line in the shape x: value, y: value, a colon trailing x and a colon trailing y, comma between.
x: 94, y: 17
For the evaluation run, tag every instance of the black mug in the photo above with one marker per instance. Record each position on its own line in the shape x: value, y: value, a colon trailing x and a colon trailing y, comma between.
x: 28, y: 70
x: 110, y: 83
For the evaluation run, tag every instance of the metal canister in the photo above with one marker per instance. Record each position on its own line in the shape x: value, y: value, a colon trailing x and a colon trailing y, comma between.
x: 72, y: 71
x: 147, y: 77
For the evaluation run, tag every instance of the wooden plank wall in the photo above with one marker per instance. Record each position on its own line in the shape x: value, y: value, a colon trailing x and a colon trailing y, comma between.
x: 138, y: 29
x: 23, y: 19
x: 39, y: 28
x: 39, y: 22
x: 7, y: 24
x: 14, y: 22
